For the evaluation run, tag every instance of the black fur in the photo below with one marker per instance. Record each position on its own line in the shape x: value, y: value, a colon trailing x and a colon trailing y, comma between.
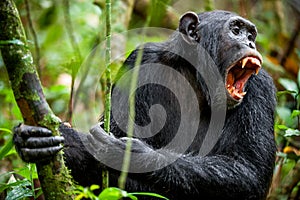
x: 241, y: 163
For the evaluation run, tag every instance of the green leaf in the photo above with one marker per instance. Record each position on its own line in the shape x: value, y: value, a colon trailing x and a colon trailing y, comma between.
x: 282, y: 127
x: 295, y: 113
x: 291, y: 132
x: 94, y: 187
x: 280, y: 93
x: 132, y: 197
x: 284, y: 113
x: 148, y: 194
x: 287, y: 166
x: 112, y: 193
x: 289, y: 84
x: 2, y: 185
x: 29, y: 171
x: 281, y: 154
x: 20, y: 190
x: 5, y: 130
x: 6, y: 148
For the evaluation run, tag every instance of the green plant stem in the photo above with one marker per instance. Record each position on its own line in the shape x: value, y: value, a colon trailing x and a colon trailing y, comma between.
x: 105, y: 175
x: 131, y: 118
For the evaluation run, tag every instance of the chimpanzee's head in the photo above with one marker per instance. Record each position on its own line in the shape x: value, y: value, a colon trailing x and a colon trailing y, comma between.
x: 230, y: 41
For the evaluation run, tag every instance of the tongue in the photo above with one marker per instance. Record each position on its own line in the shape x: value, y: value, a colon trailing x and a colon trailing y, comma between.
x: 239, y: 84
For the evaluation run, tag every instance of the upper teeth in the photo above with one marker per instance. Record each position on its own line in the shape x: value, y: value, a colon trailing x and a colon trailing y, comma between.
x: 253, y: 60
x: 244, y: 62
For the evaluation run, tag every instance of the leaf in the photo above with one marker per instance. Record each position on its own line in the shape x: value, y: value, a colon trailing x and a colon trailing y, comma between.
x: 20, y: 191
x: 295, y: 113
x: 280, y: 93
x: 131, y: 196
x: 6, y: 148
x: 281, y: 154
x: 5, y: 130
x: 112, y: 193
x: 94, y: 187
x: 148, y: 194
x: 288, y: 84
x: 29, y: 171
x: 282, y: 127
x: 5, y: 186
x: 284, y: 113
x: 291, y: 132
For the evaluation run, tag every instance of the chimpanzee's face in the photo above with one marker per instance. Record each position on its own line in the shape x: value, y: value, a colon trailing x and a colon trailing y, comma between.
x: 240, y: 59
x: 230, y: 41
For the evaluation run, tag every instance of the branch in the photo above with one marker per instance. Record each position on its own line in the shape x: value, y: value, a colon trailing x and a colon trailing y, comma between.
x: 54, y: 177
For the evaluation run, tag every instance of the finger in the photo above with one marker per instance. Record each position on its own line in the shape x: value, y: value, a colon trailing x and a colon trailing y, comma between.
x: 36, y: 142
x: 36, y: 155
x: 99, y: 134
x: 32, y: 131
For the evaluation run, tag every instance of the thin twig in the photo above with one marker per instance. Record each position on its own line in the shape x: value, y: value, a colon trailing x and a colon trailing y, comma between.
x: 35, y: 39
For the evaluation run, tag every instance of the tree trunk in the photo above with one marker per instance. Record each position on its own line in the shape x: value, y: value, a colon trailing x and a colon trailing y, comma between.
x: 54, y: 177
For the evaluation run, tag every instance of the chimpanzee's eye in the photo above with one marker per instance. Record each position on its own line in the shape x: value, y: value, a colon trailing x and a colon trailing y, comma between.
x: 236, y: 30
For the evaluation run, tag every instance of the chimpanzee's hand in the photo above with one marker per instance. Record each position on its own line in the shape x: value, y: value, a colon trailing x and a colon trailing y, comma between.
x: 99, y: 139
x: 36, y: 144
x: 110, y: 151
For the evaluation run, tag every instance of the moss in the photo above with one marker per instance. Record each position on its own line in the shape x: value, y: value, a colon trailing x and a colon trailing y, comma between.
x: 51, y: 121
x: 55, y: 177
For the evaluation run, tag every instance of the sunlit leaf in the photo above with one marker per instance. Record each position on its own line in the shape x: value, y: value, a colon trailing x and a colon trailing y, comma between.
x: 112, y: 193
x: 29, y: 171
x: 291, y: 132
x: 5, y: 130
x: 282, y: 127
x: 148, y: 194
x: 295, y: 113
x: 6, y: 148
x: 94, y: 187
x: 20, y: 190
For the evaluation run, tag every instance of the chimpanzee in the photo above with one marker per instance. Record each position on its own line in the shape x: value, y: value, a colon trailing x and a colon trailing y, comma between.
x: 208, y: 49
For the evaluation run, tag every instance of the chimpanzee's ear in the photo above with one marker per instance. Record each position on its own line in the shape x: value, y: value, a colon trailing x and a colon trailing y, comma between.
x: 187, y: 25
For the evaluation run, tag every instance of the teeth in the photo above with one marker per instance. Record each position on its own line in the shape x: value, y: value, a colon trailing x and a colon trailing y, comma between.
x: 244, y: 62
x: 254, y: 61
x: 239, y: 95
x: 234, y: 92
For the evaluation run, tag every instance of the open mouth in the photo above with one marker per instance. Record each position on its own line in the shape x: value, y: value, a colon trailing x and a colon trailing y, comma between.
x: 238, y: 75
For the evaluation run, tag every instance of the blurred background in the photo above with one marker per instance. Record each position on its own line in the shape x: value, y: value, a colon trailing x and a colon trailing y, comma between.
x: 63, y: 33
